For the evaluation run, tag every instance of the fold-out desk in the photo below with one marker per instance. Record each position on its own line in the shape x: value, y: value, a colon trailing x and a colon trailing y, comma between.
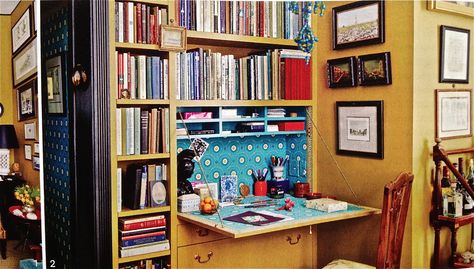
x: 301, y: 215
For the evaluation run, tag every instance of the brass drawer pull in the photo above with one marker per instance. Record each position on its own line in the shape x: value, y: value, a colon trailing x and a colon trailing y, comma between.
x: 202, y: 232
x: 198, y: 258
x: 297, y: 239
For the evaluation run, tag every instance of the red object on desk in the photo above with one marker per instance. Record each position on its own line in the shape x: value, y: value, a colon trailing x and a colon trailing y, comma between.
x: 291, y: 126
x: 37, y: 212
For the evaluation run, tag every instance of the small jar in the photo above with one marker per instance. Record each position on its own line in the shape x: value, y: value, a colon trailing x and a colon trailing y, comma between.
x: 260, y: 188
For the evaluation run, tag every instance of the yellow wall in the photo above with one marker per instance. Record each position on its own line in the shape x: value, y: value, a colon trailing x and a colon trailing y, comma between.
x: 6, y: 70
x: 357, y: 239
x: 426, y: 70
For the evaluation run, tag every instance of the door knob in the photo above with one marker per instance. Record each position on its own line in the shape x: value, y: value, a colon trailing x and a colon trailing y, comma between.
x: 79, y: 76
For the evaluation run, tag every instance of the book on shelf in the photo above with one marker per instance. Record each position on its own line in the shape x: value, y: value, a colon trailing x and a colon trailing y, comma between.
x: 252, y: 18
x: 156, y: 263
x: 141, y: 239
x: 141, y: 231
x: 142, y: 222
x: 142, y: 131
x: 273, y: 75
x: 119, y: 189
x: 138, y: 250
x: 139, y: 22
x: 141, y: 76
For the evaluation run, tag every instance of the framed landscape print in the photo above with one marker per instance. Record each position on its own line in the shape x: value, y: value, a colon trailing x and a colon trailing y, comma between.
x: 55, y: 84
x: 21, y: 31
x: 360, y: 128
x: 342, y: 72
x: 26, y: 100
x: 375, y: 69
x: 453, y: 113
x: 454, y: 55
x: 24, y: 64
x: 358, y: 24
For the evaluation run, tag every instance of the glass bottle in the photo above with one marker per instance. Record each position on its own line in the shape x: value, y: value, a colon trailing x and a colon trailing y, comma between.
x: 461, y: 167
x: 470, y: 174
x: 454, y: 202
x: 445, y: 181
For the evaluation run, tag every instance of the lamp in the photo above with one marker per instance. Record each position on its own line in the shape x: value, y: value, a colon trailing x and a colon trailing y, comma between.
x: 7, y: 141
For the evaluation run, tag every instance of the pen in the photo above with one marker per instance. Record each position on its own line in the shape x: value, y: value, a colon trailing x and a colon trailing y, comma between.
x: 261, y: 201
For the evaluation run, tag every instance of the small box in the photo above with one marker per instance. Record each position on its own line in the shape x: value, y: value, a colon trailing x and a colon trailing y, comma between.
x: 197, y: 115
x: 326, y: 204
x: 188, y: 203
x: 291, y: 126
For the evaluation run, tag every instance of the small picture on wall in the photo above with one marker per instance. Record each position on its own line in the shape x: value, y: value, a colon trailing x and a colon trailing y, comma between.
x: 454, y: 55
x: 36, y: 149
x: 30, y: 130
x: 26, y: 100
x: 36, y: 163
x: 342, y: 72
x: 28, y: 152
x: 375, y: 69
x: 453, y: 113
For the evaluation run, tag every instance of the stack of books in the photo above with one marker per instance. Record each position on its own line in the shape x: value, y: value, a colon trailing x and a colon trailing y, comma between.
x: 138, y: 22
x: 157, y: 263
x: 141, y: 131
x: 253, y: 18
x: 276, y: 112
x: 141, y: 76
x: 275, y: 75
x: 142, y: 235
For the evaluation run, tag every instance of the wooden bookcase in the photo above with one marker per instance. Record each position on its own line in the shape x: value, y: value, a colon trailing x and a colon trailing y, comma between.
x: 237, y: 45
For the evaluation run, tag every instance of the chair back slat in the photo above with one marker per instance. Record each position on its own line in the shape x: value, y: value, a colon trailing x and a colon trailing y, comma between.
x: 394, y: 213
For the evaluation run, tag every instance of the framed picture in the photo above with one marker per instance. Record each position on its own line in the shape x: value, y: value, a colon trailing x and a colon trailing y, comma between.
x: 24, y: 63
x: 358, y: 24
x: 25, y: 98
x: 454, y: 55
x: 55, y: 84
x: 465, y: 8
x: 360, y: 129
x: 375, y: 69
x: 36, y: 149
x: 36, y: 163
x: 21, y: 31
x: 30, y: 130
x: 173, y: 38
x: 28, y: 152
x: 342, y: 72
x: 453, y: 113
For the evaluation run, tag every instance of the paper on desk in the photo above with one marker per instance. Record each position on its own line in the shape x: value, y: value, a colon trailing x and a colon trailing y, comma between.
x: 17, y: 212
x: 285, y: 218
x: 31, y: 216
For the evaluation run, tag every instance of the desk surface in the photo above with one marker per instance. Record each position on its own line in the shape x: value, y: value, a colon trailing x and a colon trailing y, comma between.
x: 301, y: 215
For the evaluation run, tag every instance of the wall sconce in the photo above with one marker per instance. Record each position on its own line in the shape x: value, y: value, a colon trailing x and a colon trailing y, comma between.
x: 7, y: 141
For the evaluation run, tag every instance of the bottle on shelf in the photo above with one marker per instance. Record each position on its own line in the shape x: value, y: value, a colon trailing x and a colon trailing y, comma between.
x: 470, y: 174
x: 445, y: 181
x: 454, y: 202
x: 461, y: 166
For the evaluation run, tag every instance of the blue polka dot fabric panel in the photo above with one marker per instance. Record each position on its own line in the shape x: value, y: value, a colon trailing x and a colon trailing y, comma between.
x: 242, y: 155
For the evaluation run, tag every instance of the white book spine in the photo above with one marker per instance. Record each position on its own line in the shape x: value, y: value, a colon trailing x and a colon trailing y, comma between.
x: 274, y: 20
x: 198, y: 4
x: 206, y: 16
x: 142, y: 77
x: 120, y: 21
x: 165, y: 172
x: 177, y: 76
x: 231, y: 77
x: 143, y: 189
x: 119, y: 189
x: 162, y: 246
x: 137, y: 129
x: 224, y: 72
x: 265, y: 77
x: 133, y: 79
x: 165, y: 79
x: 125, y: 70
x: 130, y: 22
x: 130, y: 131
x: 118, y: 126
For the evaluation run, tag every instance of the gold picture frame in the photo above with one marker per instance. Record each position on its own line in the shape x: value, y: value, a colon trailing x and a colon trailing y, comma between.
x: 173, y: 38
x: 459, y: 7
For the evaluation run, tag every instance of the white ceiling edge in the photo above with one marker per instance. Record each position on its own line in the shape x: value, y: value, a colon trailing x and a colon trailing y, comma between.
x: 7, y: 6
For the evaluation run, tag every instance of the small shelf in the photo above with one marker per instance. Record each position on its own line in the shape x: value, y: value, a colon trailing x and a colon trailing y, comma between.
x: 458, y: 221
x: 230, y: 40
x: 142, y: 102
x: 136, y: 46
x: 128, y: 212
x: 145, y: 256
x: 138, y: 157
x: 286, y: 119
x: 197, y: 121
x: 242, y: 119
x: 243, y: 103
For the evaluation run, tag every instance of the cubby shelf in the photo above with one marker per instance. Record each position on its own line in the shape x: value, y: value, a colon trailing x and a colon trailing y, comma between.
x: 128, y: 212
x: 137, y: 46
x: 139, y: 157
x: 145, y: 256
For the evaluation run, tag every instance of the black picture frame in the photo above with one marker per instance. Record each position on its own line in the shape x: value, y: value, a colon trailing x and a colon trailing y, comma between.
x: 55, y: 84
x: 342, y: 72
x: 370, y: 31
x: 359, y: 126
x: 375, y: 69
x: 22, y: 31
x: 454, y: 50
x: 25, y: 100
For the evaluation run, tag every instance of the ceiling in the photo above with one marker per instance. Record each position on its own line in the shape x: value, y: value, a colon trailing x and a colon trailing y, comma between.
x: 7, y: 6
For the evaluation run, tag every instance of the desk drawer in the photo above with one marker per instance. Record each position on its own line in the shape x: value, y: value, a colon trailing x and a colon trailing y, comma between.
x: 284, y: 249
x: 191, y: 234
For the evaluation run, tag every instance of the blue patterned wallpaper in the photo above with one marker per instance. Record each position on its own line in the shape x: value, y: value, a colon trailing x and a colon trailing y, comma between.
x: 239, y: 156
x: 56, y: 150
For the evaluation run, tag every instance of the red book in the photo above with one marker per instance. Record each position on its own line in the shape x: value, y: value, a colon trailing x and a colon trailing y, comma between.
x: 241, y: 18
x: 138, y: 236
x: 247, y: 18
x: 291, y: 126
x: 129, y: 72
x: 152, y: 29
x: 145, y: 223
x: 261, y: 16
x: 288, y: 78
x: 139, y: 23
x: 120, y: 74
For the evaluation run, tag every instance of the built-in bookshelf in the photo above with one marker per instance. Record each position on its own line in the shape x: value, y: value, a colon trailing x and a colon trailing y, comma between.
x: 264, y: 40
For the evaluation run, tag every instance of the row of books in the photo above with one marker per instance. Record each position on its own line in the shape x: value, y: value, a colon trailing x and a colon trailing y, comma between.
x: 138, y: 22
x: 253, y: 18
x: 143, y: 186
x: 277, y: 74
x: 142, y: 235
x: 142, y: 131
x: 157, y: 263
x: 141, y: 76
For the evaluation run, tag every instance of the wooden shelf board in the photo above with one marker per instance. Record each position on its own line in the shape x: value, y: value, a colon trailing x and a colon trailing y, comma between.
x: 242, y: 119
x: 142, y: 102
x: 243, y: 103
x: 128, y: 213
x: 145, y: 256
x: 151, y: 2
x: 197, y: 121
x: 139, y: 157
x: 136, y: 46
x: 230, y: 40
x: 459, y: 221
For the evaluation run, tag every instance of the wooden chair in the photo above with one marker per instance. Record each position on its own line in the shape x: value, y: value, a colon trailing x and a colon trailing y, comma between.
x: 394, y: 213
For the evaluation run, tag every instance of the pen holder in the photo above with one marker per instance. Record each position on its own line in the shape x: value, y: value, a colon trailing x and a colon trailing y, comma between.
x: 260, y: 188
x: 277, y: 172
